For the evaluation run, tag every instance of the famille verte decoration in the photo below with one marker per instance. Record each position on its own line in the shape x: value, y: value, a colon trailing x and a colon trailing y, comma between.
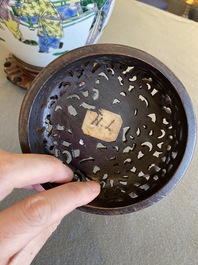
x: 38, y: 31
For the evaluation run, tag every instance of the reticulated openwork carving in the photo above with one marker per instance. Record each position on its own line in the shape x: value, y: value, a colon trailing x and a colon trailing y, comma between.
x: 115, y: 120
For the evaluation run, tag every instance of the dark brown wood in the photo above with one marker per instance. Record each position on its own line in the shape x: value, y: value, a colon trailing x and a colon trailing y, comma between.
x: 20, y: 73
x: 116, y: 115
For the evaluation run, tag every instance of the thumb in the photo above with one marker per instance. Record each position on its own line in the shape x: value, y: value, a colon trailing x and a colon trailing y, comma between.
x: 26, y: 219
x: 26, y: 255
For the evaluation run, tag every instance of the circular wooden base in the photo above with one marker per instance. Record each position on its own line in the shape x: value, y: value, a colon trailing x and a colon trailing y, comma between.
x: 20, y: 73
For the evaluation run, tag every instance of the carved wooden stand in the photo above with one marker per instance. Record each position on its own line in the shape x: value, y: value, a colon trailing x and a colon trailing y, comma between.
x: 20, y: 73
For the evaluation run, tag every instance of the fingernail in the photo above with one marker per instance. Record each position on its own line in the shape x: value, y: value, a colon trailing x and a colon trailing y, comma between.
x: 94, y: 186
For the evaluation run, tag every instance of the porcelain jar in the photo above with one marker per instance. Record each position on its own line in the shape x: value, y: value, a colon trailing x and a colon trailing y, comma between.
x: 38, y: 31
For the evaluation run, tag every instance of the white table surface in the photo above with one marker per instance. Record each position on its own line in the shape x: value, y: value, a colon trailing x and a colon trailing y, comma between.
x: 165, y: 233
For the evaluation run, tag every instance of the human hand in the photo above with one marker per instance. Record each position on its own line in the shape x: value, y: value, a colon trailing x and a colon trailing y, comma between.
x: 25, y: 226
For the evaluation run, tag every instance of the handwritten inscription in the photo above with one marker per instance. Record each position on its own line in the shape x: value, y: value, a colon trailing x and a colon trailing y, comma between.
x: 104, y: 125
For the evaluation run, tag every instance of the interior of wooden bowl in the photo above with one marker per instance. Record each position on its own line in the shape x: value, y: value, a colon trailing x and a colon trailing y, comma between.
x: 117, y: 117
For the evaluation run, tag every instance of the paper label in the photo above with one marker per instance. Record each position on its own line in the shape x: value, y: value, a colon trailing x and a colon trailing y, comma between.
x: 104, y: 125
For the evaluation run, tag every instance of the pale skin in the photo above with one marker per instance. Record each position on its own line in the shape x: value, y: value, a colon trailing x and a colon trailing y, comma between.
x: 25, y: 226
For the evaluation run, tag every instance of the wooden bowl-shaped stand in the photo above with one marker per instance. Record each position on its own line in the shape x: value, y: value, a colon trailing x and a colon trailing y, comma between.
x: 116, y: 115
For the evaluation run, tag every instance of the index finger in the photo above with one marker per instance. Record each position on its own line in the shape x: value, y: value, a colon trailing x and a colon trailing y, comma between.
x: 19, y: 170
